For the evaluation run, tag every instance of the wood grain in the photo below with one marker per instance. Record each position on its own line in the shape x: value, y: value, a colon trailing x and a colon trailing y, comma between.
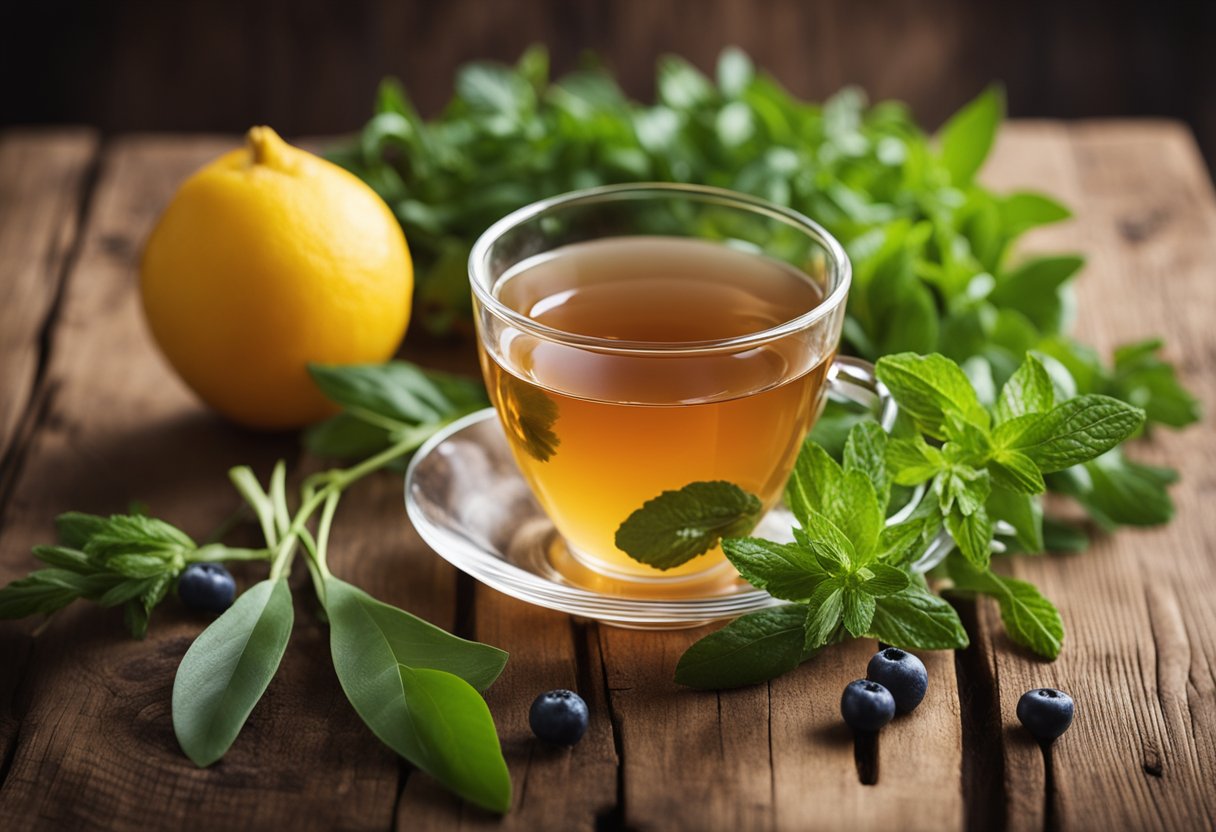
x: 1141, y: 648
x: 95, y: 746
x: 43, y: 186
x: 87, y: 726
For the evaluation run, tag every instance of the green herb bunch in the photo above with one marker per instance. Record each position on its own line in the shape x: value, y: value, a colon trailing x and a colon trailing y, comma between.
x: 416, y: 686
x: 931, y: 247
x: 854, y: 567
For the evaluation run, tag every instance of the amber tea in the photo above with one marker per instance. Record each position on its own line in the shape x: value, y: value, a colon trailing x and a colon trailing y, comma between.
x: 599, y: 431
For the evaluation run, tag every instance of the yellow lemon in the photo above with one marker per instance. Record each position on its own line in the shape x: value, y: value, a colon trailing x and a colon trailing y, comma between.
x: 267, y: 259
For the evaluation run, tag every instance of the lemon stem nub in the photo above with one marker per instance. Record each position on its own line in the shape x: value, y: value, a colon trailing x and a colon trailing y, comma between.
x: 264, y: 145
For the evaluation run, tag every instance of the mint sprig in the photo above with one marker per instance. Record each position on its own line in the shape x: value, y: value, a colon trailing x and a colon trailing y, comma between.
x: 850, y: 574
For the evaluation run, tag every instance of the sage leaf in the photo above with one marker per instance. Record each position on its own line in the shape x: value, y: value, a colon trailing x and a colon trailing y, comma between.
x: 408, y: 639
x: 435, y: 719
x: 227, y: 669
x: 676, y: 526
x: 751, y: 649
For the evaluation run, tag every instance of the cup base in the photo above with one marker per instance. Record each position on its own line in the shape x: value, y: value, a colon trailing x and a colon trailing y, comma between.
x: 585, y: 571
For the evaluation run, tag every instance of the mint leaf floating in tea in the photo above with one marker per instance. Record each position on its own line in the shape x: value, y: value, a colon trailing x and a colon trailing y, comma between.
x: 228, y: 668
x: 676, y: 526
x: 528, y: 415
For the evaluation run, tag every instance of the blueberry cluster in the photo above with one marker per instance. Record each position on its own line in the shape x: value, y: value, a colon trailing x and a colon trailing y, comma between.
x: 896, y: 682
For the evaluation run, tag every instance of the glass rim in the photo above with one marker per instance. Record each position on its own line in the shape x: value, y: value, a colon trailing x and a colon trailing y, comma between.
x: 479, y: 265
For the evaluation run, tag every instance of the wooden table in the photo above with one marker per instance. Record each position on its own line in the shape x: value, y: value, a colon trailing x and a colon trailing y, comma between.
x: 90, y: 418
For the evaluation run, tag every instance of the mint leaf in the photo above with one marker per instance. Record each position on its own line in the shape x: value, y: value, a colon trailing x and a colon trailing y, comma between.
x: 857, y: 515
x: 814, y: 484
x: 785, y: 570
x: 865, y: 451
x: 917, y: 619
x: 833, y: 505
x: 826, y: 609
x: 1023, y: 210
x: 1023, y: 512
x: 963, y: 486
x: 676, y: 526
x: 751, y: 649
x: 1078, y: 430
x: 1030, y: 619
x: 912, y: 461
x: 1116, y: 491
x: 1059, y: 536
x: 1016, y: 471
x: 528, y: 415
x: 1029, y: 390
x: 1035, y: 289
x: 344, y: 436
x: 904, y: 542
x: 858, y: 611
x: 1142, y: 379
x: 926, y: 387
x: 973, y: 534
x: 884, y: 580
x: 967, y: 137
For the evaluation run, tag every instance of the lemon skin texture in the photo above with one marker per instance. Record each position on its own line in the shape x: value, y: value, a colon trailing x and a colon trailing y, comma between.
x: 266, y: 260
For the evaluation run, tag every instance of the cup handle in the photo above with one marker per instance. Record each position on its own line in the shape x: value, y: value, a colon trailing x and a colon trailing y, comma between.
x: 854, y: 379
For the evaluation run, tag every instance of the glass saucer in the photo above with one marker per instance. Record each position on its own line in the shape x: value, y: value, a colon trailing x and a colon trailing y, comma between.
x: 465, y: 496
x: 468, y: 501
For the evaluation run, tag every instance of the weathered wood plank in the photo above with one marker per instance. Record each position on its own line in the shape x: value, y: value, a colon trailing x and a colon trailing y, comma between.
x: 1137, y: 607
x: 554, y: 788
x: 43, y: 177
x: 776, y: 756
x: 95, y: 746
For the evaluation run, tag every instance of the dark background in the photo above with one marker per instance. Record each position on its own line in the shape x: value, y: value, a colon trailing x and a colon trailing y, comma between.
x: 311, y: 67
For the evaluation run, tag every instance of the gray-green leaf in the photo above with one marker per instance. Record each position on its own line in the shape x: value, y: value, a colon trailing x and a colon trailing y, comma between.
x: 227, y: 668
x: 411, y: 640
x: 433, y: 718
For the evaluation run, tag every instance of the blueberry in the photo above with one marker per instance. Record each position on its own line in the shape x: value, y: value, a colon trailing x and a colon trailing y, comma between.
x: 1045, y: 712
x: 207, y: 587
x: 901, y: 673
x: 866, y: 706
x: 559, y: 717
